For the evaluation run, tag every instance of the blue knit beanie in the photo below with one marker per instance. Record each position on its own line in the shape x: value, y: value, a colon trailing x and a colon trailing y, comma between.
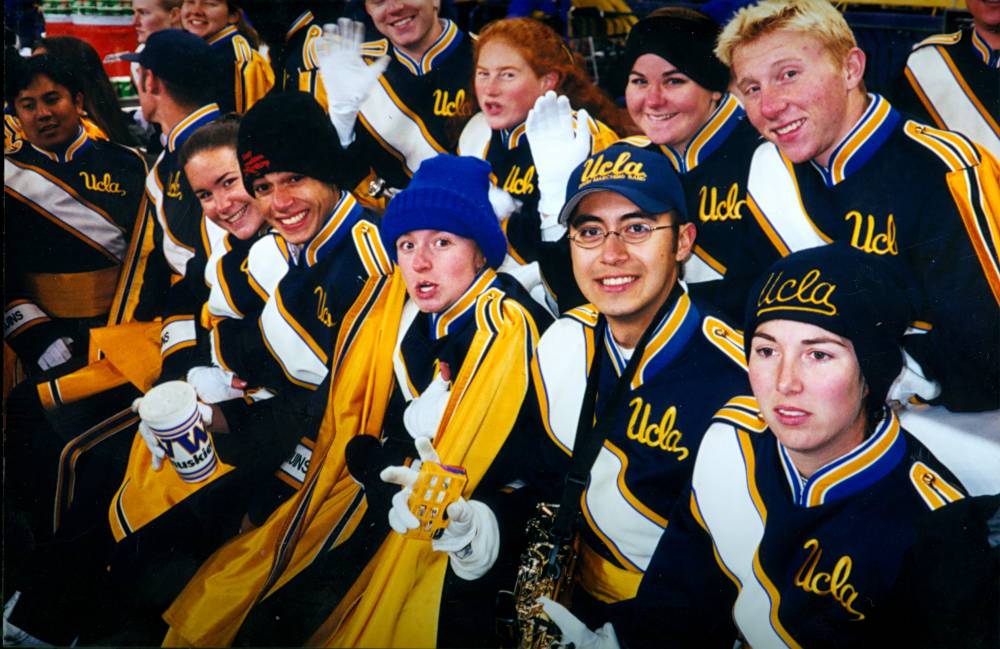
x: 451, y: 194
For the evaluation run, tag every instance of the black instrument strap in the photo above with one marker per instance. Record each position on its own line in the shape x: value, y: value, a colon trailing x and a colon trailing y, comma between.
x: 590, y: 435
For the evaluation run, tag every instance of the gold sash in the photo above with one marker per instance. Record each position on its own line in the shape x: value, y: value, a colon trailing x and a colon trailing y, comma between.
x: 603, y: 579
x: 74, y: 295
x: 211, y: 608
x: 397, y: 599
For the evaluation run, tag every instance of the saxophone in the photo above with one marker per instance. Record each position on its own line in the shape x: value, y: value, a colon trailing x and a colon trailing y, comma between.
x: 546, y: 568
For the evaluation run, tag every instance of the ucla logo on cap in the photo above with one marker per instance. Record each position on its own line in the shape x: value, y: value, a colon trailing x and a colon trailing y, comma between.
x: 810, y: 293
x: 598, y: 169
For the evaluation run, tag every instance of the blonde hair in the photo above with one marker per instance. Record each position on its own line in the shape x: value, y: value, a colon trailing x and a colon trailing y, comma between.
x: 816, y: 17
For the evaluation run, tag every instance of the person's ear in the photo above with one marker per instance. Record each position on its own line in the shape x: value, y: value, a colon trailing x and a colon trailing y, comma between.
x: 854, y: 68
x: 686, y: 233
x: 78, y: 102
x: 175, y: 17
x: 550, y: 80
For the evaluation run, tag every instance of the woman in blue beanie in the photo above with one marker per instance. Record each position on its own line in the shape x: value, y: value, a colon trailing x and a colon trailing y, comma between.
x: 460, y: 394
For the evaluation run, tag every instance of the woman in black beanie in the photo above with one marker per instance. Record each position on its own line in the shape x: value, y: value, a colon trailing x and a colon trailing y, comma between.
x: 676, y: 94
x: 814, y: 519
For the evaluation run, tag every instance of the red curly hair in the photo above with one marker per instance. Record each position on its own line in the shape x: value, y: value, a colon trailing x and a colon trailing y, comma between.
x: 545, y: 52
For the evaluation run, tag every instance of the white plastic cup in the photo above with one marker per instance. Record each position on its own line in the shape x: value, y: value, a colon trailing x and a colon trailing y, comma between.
x: 170, y: 411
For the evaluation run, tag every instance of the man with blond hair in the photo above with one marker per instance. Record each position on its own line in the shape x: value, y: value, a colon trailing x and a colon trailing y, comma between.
x: 842, y: 164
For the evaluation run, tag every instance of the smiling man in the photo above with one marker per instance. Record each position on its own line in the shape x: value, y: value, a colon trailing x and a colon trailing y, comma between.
x: 842, y: 164
x: 629, y: 233
x: 72, y: 204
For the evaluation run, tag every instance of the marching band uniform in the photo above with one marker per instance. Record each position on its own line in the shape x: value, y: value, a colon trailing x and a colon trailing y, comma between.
x: 404, y: 120
x: 72, y: 214
x: 251, y: 77
x: 760, y: 552
x: 953, y: 81
x: 754, y: 550
x: 938, y: 219
x: 713, y: 172
x: 692, y: 364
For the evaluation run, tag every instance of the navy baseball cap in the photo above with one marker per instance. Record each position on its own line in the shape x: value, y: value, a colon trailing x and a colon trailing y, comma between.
x: 176, y: 56
x: 644, y: 177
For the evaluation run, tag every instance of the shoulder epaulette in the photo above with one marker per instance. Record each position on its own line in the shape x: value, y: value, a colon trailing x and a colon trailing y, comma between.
x: 640, y: 141
x: 954, y: 149
x: 933, y: 489
x: 375, y: 48
x: 585, y: 315
x: 939, y: 39
x: 242, y: 48
x: 309, y: 56
x: 725, y: 338
x: 370, y: 249
x: 489, y: 311
x: 744, y: 413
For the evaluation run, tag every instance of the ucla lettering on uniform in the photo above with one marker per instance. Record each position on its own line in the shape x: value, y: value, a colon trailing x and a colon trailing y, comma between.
x: 444, y: 106
x: 711, y: 209
x: 322, y: 312
x: 662, y: 435
x: 105, y: 185
x: 865, y: 238
x: 598, y: 169
x: 806, y: 294
x: 832, y: 583
x: 516, y: 183
x: 174, y: 186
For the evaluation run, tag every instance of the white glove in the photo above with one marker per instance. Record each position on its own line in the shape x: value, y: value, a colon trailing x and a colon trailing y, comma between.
x: 503, y: 203
x: 472, y: 538
x: 557, y: 148
x: 56, y: 353
x: 348, y: 80
x: 213, y: 384
x: 576, y: 632
x: 911, y: 381
x: 423, y: 415
x: 153, y: 444
x: 401, y: 518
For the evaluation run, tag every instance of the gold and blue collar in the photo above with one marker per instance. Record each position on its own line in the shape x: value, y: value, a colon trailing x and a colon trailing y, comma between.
x: 305, y: 19
x: 455, y: 316
x: 707, y: 139
x: 224, y: 34
x: 184, y: 128
x: 439, y: 50
x: 665, y: 344
x: 850, y: 473
x: 80, y: 143
x: 345, y: 214
x: 862, y: 142
x: 989, y: 56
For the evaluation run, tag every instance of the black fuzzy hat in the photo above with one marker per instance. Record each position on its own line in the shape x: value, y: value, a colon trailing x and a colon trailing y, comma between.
x: 686, y: 40
x: 289, y: 131
x: 857, y: 296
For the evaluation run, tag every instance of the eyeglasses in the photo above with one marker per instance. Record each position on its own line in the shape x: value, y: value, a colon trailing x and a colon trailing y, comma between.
x: 592, y: 235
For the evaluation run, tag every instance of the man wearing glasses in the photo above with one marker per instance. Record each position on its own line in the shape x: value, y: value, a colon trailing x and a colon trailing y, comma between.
x: 629, y: 234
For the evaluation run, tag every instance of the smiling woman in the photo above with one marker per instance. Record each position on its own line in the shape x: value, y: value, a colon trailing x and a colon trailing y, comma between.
x: 209, y: 161
x: 247, y: 74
